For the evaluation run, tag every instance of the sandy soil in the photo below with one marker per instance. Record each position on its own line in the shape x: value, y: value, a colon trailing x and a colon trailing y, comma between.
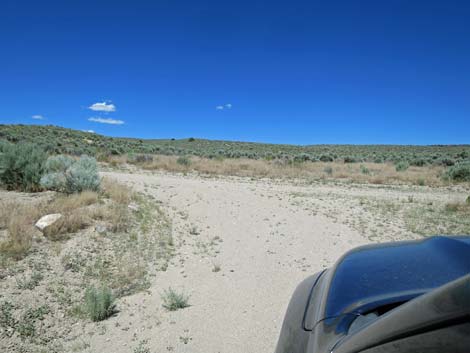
x: 266, y: 237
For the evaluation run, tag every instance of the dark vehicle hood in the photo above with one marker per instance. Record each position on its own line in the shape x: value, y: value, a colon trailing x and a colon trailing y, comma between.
x: 370, y: 276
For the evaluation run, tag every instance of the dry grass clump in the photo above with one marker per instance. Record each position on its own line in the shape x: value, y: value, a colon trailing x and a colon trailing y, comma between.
x: 173, y: 300
x: 374, y: 173
x: 68, y: 224
x: 458, y: 207
x: 119, y: 193
x: 18, y: 219
x: 80, y: 210
x: 75, y: 213
x: 118, y: 217
x: 65, y: 204
x: 451, y: 219
x: 116, y: 212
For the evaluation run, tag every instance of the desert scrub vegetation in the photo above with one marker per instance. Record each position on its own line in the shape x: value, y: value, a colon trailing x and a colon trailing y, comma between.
x: 17, y: 219
x: 421, y: 217
x: 57, y: 140
x: 173, y: 300
x: 99, y: 303
x: 65, y: 174
x: 374, y: 173
x: 21, y: 166
x: 459, y: 172
x: 81, y: 275
x: 401, y: 166
x: 26, y: 325
x: 448, y: 219
x: 241, y: 158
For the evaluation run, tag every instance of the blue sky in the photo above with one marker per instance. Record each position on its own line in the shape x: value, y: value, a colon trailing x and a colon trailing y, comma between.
x: 301, y: 72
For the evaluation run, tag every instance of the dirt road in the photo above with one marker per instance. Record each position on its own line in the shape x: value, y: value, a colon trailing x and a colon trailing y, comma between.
x: 264, y: 238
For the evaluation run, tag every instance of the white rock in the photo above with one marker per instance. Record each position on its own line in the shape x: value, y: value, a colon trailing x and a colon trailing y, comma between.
x: 47, y: 220
x: 133, y: 206
x: 101, y: 228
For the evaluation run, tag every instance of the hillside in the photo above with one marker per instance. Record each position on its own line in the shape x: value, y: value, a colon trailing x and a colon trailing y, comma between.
x: 56, y: 139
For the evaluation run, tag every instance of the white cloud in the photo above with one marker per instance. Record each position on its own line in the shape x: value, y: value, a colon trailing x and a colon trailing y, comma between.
x: 38, y: 117
x: 225, y: 106
x: 106, y: 121
x: 90, y: 131
x: 103, y: 107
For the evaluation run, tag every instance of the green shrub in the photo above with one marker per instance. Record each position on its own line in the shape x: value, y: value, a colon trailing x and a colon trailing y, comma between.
x: 83, y: 175
x: 401, y: 166
x: 364, y: 169
x: 58, y: 164
x: 21, y: 166
x: 378, y: 160
x: 302, y: 157
x: 418, y: 162
x: 326, y: 158
x: 26, y: 327
x: 183, y: 160
x: 99, y: 303
x: 446, y: 162
x: 173, y: 300
x: 67, y: 175
x: 54, y: 181
x: 7, y: 320
x: 141, y: 158
x: 459, y: 172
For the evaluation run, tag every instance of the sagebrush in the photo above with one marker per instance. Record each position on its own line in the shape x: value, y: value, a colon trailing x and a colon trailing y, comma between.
x: 67, y: 175
x: 21, y: 166
x: 99, y: 303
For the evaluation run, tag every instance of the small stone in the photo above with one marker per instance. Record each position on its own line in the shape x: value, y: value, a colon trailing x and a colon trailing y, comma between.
x: 133, y: 206
x: 101, y: 228
x: 46, y: 221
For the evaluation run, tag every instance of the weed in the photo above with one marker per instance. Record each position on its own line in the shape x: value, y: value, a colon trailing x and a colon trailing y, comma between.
x: 70, y: 203
x: 184, y: 161
x: 364, y: 170
x: 328, y: 170
x: 99, y: 303
x: 401, y: 166
x: 29, y: 283
x: 73, y: 262
x: 7, y: 321
x: 173, y: 300
x: 420, y: 182
x: 119, y: 193
x: 451, y: 219
x: 185, y: 339
x: 26, y: 326
x: 19, y: 220
x: 142, y: 347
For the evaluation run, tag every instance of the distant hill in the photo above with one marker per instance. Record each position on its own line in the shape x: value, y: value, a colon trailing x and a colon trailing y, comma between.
x: 55, y: 139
